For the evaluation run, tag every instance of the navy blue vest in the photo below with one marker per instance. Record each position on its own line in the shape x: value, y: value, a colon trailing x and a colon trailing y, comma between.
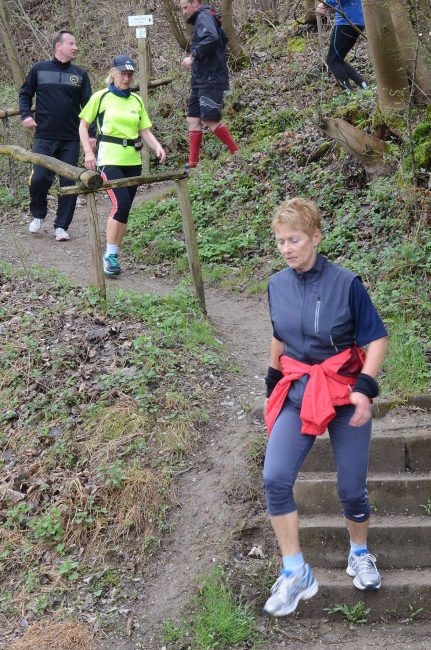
x: 310, y: 311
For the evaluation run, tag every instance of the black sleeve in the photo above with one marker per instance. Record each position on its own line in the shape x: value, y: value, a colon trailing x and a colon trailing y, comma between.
x: 26, y: 94
x: 207, y: 34
x: 86, y: 93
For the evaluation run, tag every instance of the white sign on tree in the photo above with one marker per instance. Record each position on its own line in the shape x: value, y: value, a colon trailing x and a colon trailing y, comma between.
x: 141, y: 34
x: 137, y: 21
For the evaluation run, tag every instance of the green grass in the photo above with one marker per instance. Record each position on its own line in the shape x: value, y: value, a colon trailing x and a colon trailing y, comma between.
x: 405, y: 369
x: 119, y: 413
x: 220, y: 619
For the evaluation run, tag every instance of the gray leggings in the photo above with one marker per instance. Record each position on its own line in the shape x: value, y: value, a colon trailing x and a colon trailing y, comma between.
x: 288, y: 447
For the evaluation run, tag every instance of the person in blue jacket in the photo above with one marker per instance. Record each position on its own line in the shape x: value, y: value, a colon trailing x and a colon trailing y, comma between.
x: 343, y: 38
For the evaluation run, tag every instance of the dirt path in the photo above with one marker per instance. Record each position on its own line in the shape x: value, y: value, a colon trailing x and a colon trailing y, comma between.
x: 205, y: 517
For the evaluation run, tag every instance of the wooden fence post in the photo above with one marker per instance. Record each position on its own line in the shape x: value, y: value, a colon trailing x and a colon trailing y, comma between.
x: 95, y: 245
x: 12, y: 167
x: 143, y: 91
x: 191, y: 241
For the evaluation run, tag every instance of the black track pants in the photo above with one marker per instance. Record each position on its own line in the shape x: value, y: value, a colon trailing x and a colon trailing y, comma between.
x: 343, y: 38
x: 41, y: 180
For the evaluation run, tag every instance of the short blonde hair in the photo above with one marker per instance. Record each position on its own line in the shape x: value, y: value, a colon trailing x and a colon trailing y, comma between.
x: 298, y: 214
x: 110, y: 78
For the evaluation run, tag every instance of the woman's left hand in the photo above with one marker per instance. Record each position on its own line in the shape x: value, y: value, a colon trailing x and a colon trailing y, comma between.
x: 362, y: 409
x: 161, y: 153
x: 90, y: 161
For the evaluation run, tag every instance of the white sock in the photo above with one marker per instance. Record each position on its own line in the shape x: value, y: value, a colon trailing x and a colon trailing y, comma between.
x: 111, y: 249
x: 364, y: 84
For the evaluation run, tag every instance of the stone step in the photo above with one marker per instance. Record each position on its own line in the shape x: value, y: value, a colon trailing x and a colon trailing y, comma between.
x: 395, y: 494
x: 402, y: 594
x: 391, y: 451
x: 397, y: 542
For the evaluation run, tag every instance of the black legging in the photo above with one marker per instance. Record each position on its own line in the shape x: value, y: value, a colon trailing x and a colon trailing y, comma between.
x: 343, y: 38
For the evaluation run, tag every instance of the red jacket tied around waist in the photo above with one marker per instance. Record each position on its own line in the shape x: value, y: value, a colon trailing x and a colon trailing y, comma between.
x: 325, y: 390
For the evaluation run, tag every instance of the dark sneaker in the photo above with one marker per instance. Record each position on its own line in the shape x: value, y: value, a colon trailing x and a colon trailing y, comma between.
x: 364, y: 572
x: 289, y: 589
x: 110, y: 264
x: 190, y: 168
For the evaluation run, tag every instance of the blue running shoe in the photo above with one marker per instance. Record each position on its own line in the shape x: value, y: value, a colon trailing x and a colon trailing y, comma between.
x: 289, y: 589
x: 364, y: 572
x: 110, y: 264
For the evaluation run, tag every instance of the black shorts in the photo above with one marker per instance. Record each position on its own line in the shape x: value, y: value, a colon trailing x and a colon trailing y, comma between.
x: 206, y: 103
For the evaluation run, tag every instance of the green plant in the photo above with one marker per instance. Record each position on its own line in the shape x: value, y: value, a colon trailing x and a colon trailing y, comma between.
x: 68, y: 570
x: 413, y: 611
x: 32, y: 581
x: 427, y: 506
x: 172, y: 632
x: 355, y: 614
x: 49, y: 527
x: 40, y: 604
x: 6, y: 603
x: 220, y: 618
x: 111, y: 474
x: 17, y: 516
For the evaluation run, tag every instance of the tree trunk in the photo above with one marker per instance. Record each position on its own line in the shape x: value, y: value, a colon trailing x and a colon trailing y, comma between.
x: 11, y: 53
x: 310, y: 14
x: 285, y: 11
x: 411, y: 50
x: 269, y: 8
x: 388, y: 63
x: 237, y: 56
x: 70, y: 12
x: 177, y: 27
x: 363, y: 146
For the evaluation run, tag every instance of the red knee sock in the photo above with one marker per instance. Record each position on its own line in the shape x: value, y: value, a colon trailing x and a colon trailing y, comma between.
x: 195, y: 138
x: 223, y: 134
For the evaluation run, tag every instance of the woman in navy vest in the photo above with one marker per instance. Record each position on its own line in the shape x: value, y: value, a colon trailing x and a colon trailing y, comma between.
x: 319, y: 378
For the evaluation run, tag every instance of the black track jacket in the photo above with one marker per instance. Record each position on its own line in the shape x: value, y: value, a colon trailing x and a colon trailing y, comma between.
x: 62, y: 90
x: 208, y: 45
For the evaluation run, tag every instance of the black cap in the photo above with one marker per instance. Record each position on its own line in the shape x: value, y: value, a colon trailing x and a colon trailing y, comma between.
x: 123, y: 62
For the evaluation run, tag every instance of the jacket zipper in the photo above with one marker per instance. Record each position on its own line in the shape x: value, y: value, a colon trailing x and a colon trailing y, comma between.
x: 316, y: 316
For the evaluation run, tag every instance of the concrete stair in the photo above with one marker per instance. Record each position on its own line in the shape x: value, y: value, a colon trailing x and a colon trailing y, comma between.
x: 399, y: 482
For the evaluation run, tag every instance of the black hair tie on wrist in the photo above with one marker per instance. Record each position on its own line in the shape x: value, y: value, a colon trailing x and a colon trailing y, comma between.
x: 272, y: 379
x: 366, y: 385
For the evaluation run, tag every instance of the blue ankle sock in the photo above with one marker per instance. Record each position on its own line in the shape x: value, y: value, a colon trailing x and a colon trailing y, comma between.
x: 293, y: 563
x: 358, y: 549
x: 111, y: 249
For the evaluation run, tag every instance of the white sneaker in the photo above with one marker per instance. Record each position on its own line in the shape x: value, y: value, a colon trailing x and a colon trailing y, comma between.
x: 289, y: 590
x: 36, y: 226
x: 364, y: 571
x: 61, y: 235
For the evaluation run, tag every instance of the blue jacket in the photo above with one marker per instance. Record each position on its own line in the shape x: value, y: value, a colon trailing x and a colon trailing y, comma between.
x: 352, y: 9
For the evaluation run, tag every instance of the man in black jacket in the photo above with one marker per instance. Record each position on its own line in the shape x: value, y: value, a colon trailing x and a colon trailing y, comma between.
x: 207, y: 63
x: 62, y: 89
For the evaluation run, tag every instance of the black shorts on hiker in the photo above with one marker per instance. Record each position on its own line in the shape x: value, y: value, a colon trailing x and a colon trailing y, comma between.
x: 206, y: 103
